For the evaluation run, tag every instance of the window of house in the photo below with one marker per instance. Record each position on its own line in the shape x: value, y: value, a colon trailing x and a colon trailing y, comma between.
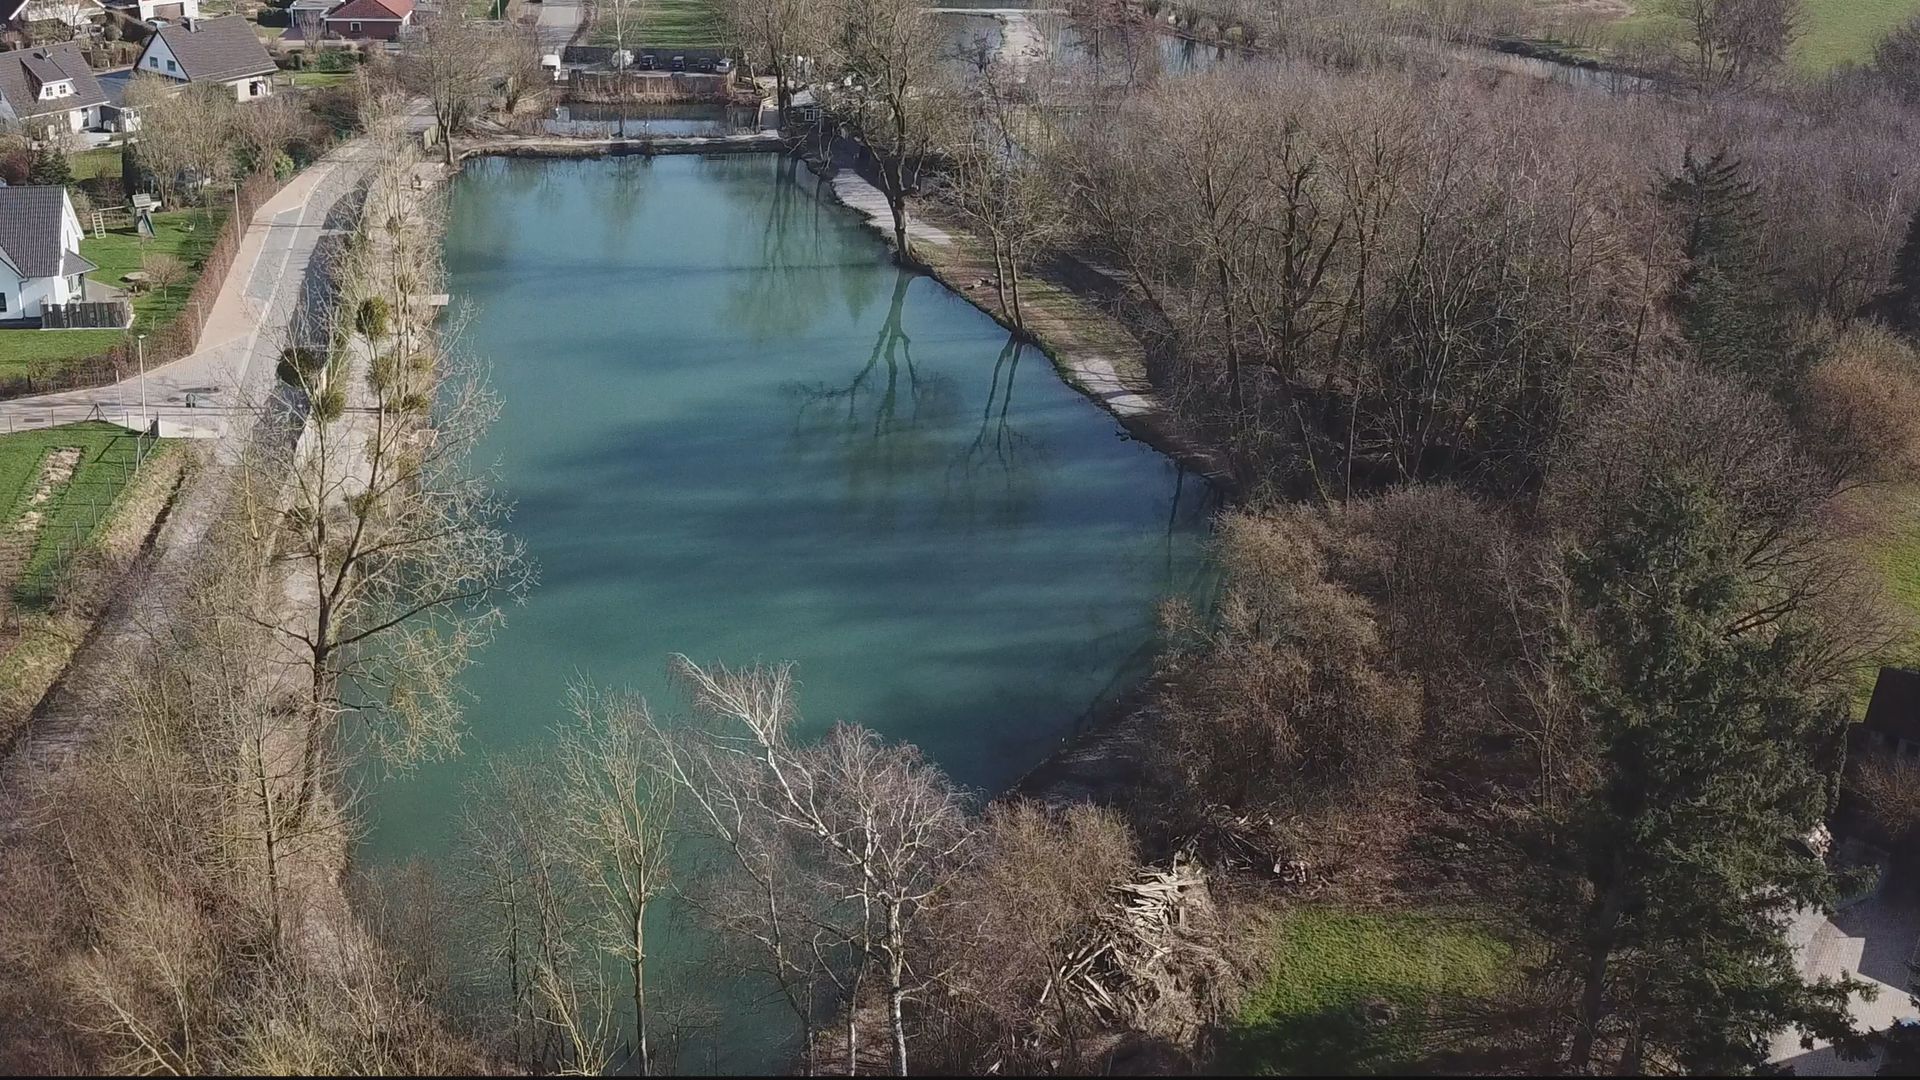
x: 353, y: 28
x: 253, y: 88
x: 171, y: 66
x: 153, y: 61
x: 3, y: 301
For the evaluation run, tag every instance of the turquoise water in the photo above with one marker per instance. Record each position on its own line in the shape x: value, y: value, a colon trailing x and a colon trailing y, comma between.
x: 732, y: 428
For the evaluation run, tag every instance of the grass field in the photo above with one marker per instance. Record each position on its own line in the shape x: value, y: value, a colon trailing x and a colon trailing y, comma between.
x: 1832, y: 32
x: 668, y: 24
x: 307, y: 80
x: 1311, y: 1018
x: 184, y: 234
x: 104, y: 161
x: 73, y: 516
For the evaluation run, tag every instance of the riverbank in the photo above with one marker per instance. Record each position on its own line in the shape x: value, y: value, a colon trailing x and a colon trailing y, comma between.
x: 1073, y: 325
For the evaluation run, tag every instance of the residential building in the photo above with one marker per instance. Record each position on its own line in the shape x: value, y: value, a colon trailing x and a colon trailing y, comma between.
x: 171, y: 10
x: 370, y: 20
x: 40, y: 260
x: 221, y: 51
x: 49, y: 88
x: 21, y: 14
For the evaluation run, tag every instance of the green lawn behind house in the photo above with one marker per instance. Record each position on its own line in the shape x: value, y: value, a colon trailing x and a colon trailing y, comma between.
x: 103, y: 161
x: 668, y: 24
x: 1330, y: 969
x: 185, y: 234
x: 74, y: 515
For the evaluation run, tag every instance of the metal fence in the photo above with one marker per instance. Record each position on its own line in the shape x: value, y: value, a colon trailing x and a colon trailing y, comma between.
x: 76, y: 515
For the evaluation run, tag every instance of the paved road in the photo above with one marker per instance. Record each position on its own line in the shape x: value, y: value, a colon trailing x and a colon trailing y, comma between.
x: 558, y: 21
x: 233, y: 369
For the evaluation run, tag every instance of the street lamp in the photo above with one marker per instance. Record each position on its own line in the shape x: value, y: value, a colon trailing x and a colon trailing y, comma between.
x: 139, y: 446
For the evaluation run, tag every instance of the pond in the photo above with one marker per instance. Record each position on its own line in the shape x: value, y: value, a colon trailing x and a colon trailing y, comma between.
x: 733, y: 428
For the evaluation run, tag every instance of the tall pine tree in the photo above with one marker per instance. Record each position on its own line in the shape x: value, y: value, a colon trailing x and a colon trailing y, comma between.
x: 1669, y: 882
x: 50, y: 167
x: 1725, y: 304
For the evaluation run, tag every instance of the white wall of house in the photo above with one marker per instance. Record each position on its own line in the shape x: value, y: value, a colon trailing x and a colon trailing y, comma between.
x: 157, y: 59
x: 35, y: 292
x: 9, y: 294
x: 150, y: 9
x: 251, y: 89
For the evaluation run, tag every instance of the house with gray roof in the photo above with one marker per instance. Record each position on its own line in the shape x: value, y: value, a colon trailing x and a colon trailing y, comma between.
x: 49, y: 87
x: 40, y: 260
x: 222, y: 51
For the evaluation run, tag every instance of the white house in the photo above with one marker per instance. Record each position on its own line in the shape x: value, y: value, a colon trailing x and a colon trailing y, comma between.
x: 40, y: 261
x: 171, y: 10
x: 203, y: 51
x: 24, y: 13
x: 49, y: 88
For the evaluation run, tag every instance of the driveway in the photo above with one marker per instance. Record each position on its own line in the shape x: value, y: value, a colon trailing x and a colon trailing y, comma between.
x: 1873, y: 939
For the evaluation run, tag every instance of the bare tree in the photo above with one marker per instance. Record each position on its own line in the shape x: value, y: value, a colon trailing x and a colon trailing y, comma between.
x: 884, y: 828
x: 186, y: 133
x: 889, y: 96
x: 995, y: 180
x: 615, y: 817
x: 776, y: 33
x: 1735, y: 42
x: 448, y: 61
x: 389, y: 536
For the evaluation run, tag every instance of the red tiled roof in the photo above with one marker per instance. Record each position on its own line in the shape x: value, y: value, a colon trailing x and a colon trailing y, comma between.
x: 372, y: 9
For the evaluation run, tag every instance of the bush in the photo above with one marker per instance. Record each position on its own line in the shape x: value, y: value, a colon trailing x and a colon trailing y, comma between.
x: 371, y: 318
x: 331, y: 404
x: 335, y: 60
x: 301, y: 366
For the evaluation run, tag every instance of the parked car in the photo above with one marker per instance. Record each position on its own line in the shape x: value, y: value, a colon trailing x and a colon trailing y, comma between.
x: 679, y: 63
x: 723, y: 65
x: 648, y: 62
x: 706, y: 64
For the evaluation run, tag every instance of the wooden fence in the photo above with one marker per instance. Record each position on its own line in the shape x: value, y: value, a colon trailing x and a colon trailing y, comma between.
x: 87, y: 315
x: 178, y: 337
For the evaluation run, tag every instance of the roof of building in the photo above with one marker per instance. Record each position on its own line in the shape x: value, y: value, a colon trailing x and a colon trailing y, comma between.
x: 1894, y: 708
x: 372, y: 9
x: 10, y: 8
x: 216, y: 50
x: 24, y: 71
x: 30, y: 229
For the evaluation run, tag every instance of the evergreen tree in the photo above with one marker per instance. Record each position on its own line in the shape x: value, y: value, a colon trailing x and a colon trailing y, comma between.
x: 1670, y: 881
x: 1900, y: 304
x: 50, y: 167
x: 1725, y: 304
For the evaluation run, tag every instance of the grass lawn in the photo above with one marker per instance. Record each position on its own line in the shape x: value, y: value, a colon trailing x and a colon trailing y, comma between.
x: 669, y: 24
x: 184, y: 234
x: 1832, y: 32
x: 1310, y: 1017
x: 1894, y: 549
x: 104, y: 161
x: 73, y: 516
x: 310, y: 79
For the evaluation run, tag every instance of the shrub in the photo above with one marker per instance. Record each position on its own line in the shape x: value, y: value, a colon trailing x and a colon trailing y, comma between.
x: 331, y: 404
x: 301, y: 366
x: 371, y: 318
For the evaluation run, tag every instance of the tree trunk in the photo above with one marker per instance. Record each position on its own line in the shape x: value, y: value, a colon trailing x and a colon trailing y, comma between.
x: 640, y: 989
x: 896, y: 990
x: 1600, y: 945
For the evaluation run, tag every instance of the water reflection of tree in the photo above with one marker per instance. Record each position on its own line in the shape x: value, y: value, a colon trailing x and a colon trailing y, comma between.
x: 783, y: 300
x: 1000, y: 463
x: 886, y: 423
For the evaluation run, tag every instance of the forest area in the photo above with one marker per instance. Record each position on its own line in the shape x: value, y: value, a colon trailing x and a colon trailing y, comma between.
x: 1575, y: 439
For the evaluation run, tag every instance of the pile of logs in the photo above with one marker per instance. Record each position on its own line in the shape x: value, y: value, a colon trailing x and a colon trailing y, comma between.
x: 1124, y: 973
